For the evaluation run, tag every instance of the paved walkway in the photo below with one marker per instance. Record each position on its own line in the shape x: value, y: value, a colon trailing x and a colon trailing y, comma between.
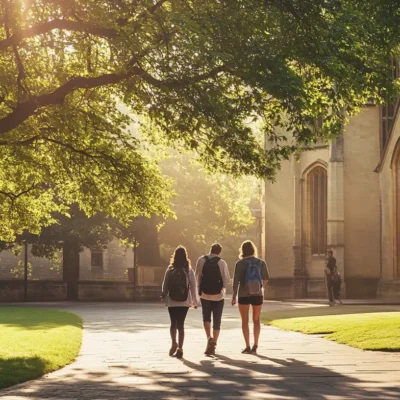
x: 124, y: 356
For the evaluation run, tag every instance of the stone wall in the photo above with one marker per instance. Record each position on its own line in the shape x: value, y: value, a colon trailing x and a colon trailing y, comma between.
x: 279, y: 224
x: 41, y: 267
x: 116, y: 260
x: 365, y: 244
x: 13, y: 291
x: 389, y: 290
x: 280, y: 289
x: 361, y: 203
x: 388, y: 195
x: 105, y: 291
x: 361, y: 288
x: 316, y: 288
x: 282, y: 217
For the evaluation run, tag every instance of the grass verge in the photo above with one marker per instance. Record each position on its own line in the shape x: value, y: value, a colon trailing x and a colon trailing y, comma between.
x: 35, y: 341
x: 364, y: 327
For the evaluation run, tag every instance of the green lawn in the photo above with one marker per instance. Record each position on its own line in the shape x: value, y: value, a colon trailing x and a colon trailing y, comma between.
x: 36, y: 341
x: 364, y: 327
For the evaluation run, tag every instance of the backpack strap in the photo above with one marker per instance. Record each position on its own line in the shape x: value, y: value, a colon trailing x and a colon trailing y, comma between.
x: 213, y: 259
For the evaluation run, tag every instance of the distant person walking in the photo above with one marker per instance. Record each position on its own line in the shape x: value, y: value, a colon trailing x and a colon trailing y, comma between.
x: 180, y: 291
x: 329, y: 276
x: 337, y: 285
x: 212, y: 277
x: 251, y: 276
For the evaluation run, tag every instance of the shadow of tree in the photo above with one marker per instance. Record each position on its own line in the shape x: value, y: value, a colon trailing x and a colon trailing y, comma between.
x: 219, y: 378
x: 21, y: 369
x: 31, y: 318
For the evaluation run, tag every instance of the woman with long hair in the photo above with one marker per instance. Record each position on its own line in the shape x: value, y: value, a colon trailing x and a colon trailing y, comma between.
x: 251, y: 276
x: 179, y: 288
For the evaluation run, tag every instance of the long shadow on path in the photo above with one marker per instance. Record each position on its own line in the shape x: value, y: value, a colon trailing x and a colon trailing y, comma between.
x: 139, y: 369
x: 219, y: 378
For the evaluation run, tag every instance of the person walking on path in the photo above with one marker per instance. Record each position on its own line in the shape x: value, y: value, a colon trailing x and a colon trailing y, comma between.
x: 337, y: 285
x: 179, y: 288
x: 251, y: 276
x: 212, y: 277
x: 329, y: 277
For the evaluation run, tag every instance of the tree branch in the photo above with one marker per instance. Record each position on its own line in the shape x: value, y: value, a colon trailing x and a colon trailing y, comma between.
x: 48, y: 26
x: 13, y: 196
x: 156, y: 6
x: 71, y: 147
x: 28, y: 108
x: 26, y: 142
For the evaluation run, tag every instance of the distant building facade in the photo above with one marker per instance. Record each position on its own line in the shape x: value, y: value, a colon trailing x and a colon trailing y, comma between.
x: 345, y: 196
x: 110, y: 263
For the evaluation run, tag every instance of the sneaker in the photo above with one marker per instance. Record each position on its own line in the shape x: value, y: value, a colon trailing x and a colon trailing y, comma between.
x: 211, y: 344
x: 179, y: 353
x: 173, y: 348
x: 247, y: 350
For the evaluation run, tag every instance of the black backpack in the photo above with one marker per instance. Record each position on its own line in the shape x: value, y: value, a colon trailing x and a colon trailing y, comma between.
x: 211, y: 278
x: 177, y: 284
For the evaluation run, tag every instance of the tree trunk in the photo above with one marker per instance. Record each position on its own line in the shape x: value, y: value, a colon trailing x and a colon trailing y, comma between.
x: 71, y: 251
x: 148, y: 251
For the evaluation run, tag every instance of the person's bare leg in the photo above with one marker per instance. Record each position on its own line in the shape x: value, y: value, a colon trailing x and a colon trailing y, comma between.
x: 207, y: 328
x: 244, y: 314
x: 257, y: 323
x: 216, y: 335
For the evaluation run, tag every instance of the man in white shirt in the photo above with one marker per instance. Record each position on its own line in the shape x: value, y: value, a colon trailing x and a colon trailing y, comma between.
x: 212, y: 276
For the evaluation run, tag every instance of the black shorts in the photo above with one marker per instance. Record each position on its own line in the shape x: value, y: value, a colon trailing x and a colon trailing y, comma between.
x: 253, y: 300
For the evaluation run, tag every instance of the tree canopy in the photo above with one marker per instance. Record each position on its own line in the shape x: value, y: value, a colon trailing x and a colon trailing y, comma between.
x: 197, y: 71
x: 208, y: 207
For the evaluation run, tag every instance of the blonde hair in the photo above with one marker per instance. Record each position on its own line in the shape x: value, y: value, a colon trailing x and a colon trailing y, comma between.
x: 247, y: 249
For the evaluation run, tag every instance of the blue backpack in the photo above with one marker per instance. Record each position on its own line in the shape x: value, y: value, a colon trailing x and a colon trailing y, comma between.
x: 253, y: 281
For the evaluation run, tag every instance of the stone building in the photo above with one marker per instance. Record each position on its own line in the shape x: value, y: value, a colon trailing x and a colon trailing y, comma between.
x: 344, y: 195
x: 103, y: 275
x: 94, y: 264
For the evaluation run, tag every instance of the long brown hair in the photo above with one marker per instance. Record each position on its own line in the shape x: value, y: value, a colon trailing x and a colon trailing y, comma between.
x: 180, y: 258
x: 247, y: 249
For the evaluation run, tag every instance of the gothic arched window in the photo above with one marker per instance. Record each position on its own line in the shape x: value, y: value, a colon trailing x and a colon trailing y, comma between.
x: 317, y: 190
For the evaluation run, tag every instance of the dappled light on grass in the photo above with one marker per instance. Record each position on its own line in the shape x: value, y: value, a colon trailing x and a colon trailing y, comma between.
x: 35, y: 342
x: 366, y: 330
x: 318, y: 310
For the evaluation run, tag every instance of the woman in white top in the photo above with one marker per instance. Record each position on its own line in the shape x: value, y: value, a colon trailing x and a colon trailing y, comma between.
x: 180, y: 289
